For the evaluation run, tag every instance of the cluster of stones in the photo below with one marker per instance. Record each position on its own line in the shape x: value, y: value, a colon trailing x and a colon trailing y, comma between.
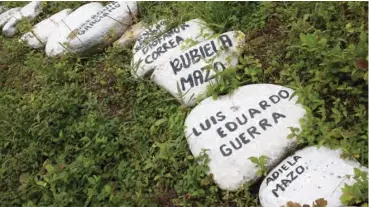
x: 185, y: 59
x: 253, y: 121
x: 88, y: 28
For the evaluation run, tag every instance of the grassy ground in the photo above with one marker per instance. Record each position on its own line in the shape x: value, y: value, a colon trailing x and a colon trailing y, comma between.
x: 80, y: 131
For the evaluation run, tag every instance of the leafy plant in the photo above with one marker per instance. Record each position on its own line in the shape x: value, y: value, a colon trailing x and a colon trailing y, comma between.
x: 357, y: 193
x: 81, y: 131
x: 260, y: 164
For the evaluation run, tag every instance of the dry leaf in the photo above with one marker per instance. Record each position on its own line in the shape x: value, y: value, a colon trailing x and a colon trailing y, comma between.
x: 361, y: 63
x: 293, y: 204
x: 73, y: 34
x: 320, y: 203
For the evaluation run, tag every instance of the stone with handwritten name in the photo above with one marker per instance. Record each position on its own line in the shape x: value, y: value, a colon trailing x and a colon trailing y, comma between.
x: 57, y: 42
x: 251, y: 122
x: 307, y: 175
x: 150, y: 33
x: 30, y: 12
x: 187, y: 74
x: 156, y: 53
x: 40, y: 33
x: 103, y: 28
x: 6, y: 15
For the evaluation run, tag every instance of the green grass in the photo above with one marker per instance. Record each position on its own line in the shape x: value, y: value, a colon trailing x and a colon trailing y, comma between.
x: 80, y: 131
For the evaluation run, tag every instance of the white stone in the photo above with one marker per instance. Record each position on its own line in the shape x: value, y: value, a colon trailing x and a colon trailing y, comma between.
x: 37, y: 38
x: 5, y: 16
x: 214, y: 125
x: 150, y: 33
x: 307, y: 175
x: 156, y: 53
x: 54, y: 45
x: 130, y: 36
x: 30, y: 11
x: 186, y: 74
x: 103, y: 28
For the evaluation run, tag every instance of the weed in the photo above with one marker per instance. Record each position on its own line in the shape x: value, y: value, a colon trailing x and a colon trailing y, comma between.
x: 260, y: 164
x: 356, y: 194
x: 81, y: 131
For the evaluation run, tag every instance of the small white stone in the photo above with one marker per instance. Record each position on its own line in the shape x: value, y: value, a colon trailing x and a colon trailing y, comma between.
x: 157, y: 52
x: 130, y: 36
x: 30, y: 11
x: 103, y: 28
x: 307, y: 175
x: 55, y: 44
x: 41, y: 31
x: 251, y: 122
x: 150, y: 33
x: 185, y: 75
x: 5, y: 16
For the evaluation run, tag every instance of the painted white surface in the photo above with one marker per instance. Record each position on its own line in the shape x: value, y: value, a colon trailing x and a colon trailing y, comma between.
x: 5, y: 16
x: 55, y: 44
x: 317, y: 173
x: 231, y: 167
x: 150, y: 32
x: 104, y: 27
x: 157, y: 52
x: 30, y: 11
x: 130, y: 36
x: 41, y: 31
x: 185, y: 74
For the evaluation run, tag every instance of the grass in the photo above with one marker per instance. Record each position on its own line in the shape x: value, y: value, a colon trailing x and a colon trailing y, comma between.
x: 80, y: 131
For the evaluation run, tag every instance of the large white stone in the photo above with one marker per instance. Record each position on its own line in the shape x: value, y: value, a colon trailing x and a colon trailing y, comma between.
x: 55, y: 44
x: 30, y: 11
x: 156, y: 52
x: 5, y: 16
x: 187, y: 74
x: 307, y: 175
x: 37, y: 38
x: 150, y: 33
x: 103, y: 28
x: 251, y: 122
x: 130, y: 36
